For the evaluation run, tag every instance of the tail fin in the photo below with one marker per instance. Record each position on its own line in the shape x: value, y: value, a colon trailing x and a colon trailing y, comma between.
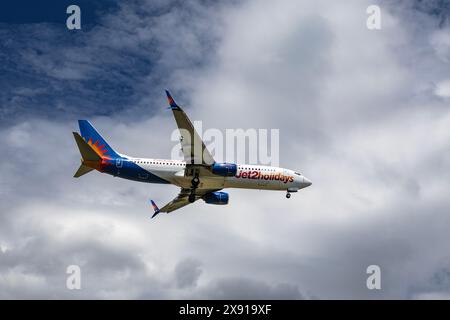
x: 88, y: 154
x: 96, y: 141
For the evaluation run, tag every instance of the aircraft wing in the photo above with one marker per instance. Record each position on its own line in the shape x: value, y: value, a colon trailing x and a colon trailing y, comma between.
x: 180, y: 200
x: 193, y: 147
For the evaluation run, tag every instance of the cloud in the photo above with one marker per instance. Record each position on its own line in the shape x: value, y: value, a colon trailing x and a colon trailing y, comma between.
x: 360, y: 112
x: 440, y: 41
x: 242, y: 288
x: 113, y: 67
x: 443, y: 89
x: 187, y: 273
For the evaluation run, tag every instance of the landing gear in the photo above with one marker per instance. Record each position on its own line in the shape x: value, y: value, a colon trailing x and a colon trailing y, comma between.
x: 195, y: 181
x: 289, y: 191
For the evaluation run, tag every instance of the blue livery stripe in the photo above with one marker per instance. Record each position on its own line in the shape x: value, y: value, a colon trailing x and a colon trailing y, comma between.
x: 89, y: 133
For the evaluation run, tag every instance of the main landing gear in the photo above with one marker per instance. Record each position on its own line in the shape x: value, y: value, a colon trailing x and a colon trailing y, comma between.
x: 288, y: 194
x: 194, y: 182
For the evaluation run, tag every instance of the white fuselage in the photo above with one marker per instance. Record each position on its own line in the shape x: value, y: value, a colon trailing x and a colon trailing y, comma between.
x: 248, y: 176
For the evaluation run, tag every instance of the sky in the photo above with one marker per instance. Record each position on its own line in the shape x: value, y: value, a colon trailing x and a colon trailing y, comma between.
x: 363, y: 113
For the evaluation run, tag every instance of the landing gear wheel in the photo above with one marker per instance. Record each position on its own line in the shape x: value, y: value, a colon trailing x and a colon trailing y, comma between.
x: 191, y: 198
x: 195, y: 181
x: 288, y: 195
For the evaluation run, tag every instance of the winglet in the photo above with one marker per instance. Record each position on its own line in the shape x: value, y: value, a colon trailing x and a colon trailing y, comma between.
x: 172, y: 103
x: 155, y: 208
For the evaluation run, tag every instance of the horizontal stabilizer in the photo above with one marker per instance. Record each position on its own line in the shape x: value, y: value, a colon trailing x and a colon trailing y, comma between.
x: 82, y: 170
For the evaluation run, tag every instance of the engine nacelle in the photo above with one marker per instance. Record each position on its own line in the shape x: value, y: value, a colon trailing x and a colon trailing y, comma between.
x: 216, y: 197
x: 224, y: 169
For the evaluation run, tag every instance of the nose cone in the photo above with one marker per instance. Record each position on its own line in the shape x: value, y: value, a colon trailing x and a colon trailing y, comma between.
x: 306, y: 182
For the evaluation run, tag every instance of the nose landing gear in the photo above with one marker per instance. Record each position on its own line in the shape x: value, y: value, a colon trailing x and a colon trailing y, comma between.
x: 289, y: 190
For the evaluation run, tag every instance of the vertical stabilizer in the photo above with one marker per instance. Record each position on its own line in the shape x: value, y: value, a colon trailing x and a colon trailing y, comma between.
x: 96, y: 141
x: 90, y: 158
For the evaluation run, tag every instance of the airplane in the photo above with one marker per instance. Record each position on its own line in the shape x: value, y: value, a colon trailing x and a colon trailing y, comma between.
x: 199, y: 176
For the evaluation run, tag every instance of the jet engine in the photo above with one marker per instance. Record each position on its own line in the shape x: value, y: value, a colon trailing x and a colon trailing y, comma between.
x: 216, y: 197
x: 224, y: 169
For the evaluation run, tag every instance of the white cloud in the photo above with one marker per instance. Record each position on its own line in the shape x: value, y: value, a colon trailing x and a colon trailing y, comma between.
x: 440, y: 40
x: 443, y: 89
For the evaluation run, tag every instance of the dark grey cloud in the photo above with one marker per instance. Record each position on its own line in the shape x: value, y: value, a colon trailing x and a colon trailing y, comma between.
x: 128, y: 56
x: 35, y: 264
x: 187, y: 273
x: 242, y: 288
x: 440, y: 9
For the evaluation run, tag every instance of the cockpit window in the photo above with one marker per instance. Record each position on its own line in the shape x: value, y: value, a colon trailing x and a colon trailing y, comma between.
x: 299, y: 174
